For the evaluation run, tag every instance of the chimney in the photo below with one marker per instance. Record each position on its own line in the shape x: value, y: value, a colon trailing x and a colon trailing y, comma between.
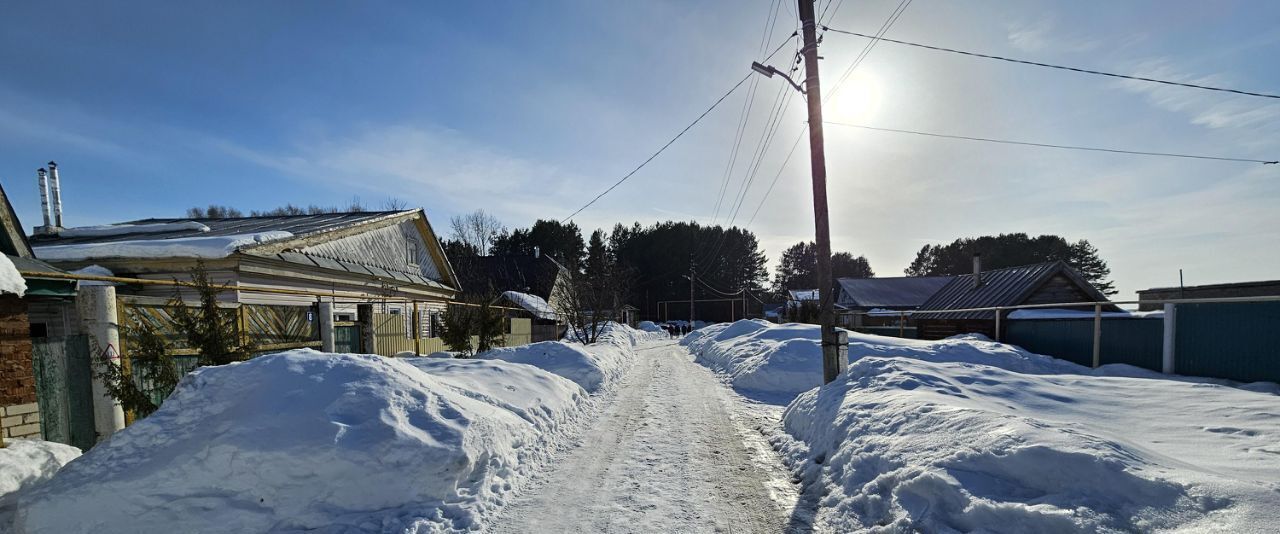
x: 977, y: 270
x: 44, y: 200
x: 57, y: 195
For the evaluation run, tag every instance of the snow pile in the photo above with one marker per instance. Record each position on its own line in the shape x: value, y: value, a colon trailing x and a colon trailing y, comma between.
x: 570, y: 360
x: 785, y: 360
x: 126, y: 229
x: 905, y: 445
x: 532, y: 303
x: 24, y: 462
x: 10, y: 281
x: 650, y: 326
x: 303, y: 440
x: 594, y: 366
x: 183, y: 247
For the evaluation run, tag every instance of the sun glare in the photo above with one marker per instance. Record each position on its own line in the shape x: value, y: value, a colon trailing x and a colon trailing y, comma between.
x: 857, y: 100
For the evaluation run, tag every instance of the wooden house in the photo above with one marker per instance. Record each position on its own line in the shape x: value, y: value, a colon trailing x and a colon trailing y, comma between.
x: 359, y: 265
x: 1043, y: 283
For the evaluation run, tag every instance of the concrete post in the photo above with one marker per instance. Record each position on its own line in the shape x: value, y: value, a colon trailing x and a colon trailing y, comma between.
x: 1097, y: 335
x: 842, y: 337
x: 368, y: 341
x: 325, y: 311
x: 1170, y: 337
x: 97, y: 308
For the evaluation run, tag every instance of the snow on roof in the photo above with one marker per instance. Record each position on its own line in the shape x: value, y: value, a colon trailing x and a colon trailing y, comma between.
x: 803, y: 294
x: 166, y: 229
x: 210, y: 247
x: 533, y: 303
x: 10, y: 281
x: 1058, y: 313
x: 127, y: 229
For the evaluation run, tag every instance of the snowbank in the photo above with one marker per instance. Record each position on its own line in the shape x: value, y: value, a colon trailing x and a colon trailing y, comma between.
x: 126, y: 229
x: 182, y: 247
x: 24, y: 462
x: 569, y: 360
x: 784, y: 360
x: 10, y: 281
x: 305, y: 440
x: 650, y: 326
x: 902, y: 445
x: 594, y: 367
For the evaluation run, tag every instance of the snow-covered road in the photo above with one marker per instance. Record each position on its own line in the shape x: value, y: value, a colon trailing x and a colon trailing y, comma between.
x: 672, y: 450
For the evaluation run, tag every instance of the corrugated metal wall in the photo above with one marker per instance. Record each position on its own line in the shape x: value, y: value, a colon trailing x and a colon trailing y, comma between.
x: 1132, y: 341
x: 1237, y: 341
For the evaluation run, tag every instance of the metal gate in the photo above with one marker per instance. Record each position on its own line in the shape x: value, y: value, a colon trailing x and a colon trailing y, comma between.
x: 346, y: 338
x: 64, y: 390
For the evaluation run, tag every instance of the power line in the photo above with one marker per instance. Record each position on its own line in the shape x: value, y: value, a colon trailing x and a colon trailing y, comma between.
x: 866, y: 50
x: 673, y: 139
x: 1051, y: 66
x: 1049, y: 145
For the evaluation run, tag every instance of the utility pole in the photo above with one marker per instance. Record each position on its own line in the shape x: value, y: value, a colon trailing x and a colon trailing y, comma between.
x: 691, y: 275
x: 830, y: 341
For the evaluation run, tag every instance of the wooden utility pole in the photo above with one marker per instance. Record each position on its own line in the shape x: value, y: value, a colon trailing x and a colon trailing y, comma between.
x: 691, y: 275
x: 818, y: 163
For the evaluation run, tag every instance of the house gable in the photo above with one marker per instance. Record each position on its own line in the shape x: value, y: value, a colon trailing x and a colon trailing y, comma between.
x: 397, y: 247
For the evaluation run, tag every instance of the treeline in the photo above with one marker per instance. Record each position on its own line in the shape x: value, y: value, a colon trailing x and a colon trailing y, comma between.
x: 218, y: 211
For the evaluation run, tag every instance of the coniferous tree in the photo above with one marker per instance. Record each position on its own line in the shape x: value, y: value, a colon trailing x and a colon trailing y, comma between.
x: 1011, y: 250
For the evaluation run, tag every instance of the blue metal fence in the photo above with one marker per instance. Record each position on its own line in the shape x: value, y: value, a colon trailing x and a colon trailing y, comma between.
x: 1131, y: 341
x: 1236, y: 340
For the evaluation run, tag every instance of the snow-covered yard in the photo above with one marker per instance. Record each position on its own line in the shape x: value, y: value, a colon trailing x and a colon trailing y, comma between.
x: 970, y: 435
x: 305, y: 440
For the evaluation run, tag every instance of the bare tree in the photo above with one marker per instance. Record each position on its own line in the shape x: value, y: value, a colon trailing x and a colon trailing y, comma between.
x: 476, y: 229
x: 214, y: 211
x: 589, y: 301
x: 394, y: 204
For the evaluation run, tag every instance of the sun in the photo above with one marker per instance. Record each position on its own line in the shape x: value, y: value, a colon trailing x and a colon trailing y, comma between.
x: 857, y: 100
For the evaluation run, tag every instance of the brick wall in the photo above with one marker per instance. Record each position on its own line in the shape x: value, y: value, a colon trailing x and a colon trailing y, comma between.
x: 20, y: 421
x: 19, y: 415
x: 17, y: 379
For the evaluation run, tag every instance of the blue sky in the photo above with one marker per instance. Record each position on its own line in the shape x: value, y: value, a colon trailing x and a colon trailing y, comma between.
x: 530, y: 109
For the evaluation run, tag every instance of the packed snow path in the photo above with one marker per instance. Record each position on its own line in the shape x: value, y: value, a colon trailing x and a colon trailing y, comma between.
x: 671, y: 451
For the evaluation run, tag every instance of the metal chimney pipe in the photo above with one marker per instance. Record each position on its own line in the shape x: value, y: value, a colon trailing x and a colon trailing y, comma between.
x: 44, y: 196
x: 977, y: 270
x: 57, y: 195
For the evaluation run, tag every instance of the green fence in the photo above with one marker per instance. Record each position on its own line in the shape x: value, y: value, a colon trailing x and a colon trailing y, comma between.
x: 1236, y: 341
x: 1132, y: 341
x: 64, y: 390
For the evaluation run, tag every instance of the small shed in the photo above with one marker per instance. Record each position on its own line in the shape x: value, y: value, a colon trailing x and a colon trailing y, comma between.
x: 1042, y: 283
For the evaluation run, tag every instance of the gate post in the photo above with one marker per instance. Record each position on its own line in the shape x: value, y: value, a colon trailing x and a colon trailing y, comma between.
x: 325, y: 311
x: 1168, y: 354
x: 97, y: 308
x: 364, y: 315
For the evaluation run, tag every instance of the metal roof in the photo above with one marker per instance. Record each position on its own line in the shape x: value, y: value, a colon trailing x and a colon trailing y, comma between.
x: 1000, y: 287
x: 891, y: 292
x: 298, y: 225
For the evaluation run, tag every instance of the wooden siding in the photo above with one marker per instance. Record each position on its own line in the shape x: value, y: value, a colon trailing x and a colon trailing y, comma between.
x: 1058, y: 289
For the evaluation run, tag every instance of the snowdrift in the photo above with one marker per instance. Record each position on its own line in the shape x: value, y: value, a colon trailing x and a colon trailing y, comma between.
x: 305, y: 440
x: 781, y: 361
x: 964, y: 434
x: 24, y: 462
x: 594, y: 367
x: 902, y: 445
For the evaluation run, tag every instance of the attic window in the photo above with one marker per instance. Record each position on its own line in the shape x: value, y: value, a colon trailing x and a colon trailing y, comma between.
x: 411, y: 254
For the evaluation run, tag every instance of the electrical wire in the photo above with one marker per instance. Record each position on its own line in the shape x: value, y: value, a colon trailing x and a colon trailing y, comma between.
x: 1052, y: 66
x: 866, y: 50
x: 1049, y: 145
x: 672, y: 141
